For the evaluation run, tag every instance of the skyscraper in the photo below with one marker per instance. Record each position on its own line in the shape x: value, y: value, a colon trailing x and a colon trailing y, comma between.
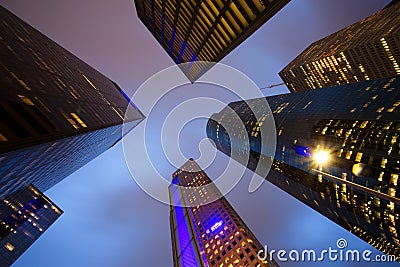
x: 192, y: 31
x: 337, y: 151
x: 366, y: 50
x: 56, y: 112
x: 23, y: 218
x: 212, y: 234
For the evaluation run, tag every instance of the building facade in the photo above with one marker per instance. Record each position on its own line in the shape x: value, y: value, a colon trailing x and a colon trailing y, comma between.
x: 212, y: 234
x: 23, y: 219
x: 56, y: 112
x: 194, y: 31
x: 338, y: 151
x: 366, y: 50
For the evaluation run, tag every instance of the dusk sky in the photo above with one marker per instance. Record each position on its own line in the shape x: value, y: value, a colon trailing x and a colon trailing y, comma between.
x: 108, y: 220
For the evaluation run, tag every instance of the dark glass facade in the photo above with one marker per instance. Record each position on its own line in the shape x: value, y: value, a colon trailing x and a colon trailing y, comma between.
x: 56, y: 112
x: 366, y: 50
x: 212, y: 234
x: 192, y: 31
x: 357, y: 127
x: 23, y: 218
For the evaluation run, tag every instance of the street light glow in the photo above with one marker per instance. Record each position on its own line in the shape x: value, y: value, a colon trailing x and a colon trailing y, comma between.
x: 321, y: 157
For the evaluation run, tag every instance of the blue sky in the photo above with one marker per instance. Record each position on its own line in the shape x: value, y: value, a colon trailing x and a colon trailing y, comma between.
x: 108, y: 220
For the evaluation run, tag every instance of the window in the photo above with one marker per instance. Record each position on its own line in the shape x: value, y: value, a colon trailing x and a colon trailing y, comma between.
x: 9, y: 247
x: 26, y: 100
x: 76, y: 117
x: 359, y: 156
x: 393, y: 179
x: 2, y: 138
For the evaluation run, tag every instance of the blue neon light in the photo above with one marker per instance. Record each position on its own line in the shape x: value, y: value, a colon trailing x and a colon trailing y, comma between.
x: 172, y: 41
x: 187, y: 253
x: 191, y: 63
x: 302, y: 150
x: 181, y: 52
x: 125, y: 96
x: 193, y: 59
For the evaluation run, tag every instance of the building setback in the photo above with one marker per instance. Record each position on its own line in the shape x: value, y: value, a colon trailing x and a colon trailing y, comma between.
x: 192, y: 31
x: 210, y: 234
x: 354, y: 127
x: 366, y: 50
x: 23, y: 219
x: 56, y: 112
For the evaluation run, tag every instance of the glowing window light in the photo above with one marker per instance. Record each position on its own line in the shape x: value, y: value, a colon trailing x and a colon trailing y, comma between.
x: 9, y: 247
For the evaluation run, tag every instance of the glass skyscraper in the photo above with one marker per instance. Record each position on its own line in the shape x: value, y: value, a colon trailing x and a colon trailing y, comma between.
x: 23, y: 218
x: 366, y: 50
x: 56, y: 112
x: 337, y: 151
x: 193, y: 31
x: 211, y: 234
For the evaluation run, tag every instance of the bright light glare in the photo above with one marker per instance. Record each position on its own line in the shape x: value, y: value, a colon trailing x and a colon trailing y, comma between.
x: 321, y: 157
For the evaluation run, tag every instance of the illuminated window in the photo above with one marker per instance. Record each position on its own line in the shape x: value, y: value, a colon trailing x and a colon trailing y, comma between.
x: 119, y: 115
x: 2, y: 138
x: 391, y: 218
x: 9, y: 247
x: 383, y: 163
x: 76, y: 117
x: 21, y: 82
x: 307, y: 105
x: 359, y: 156
x: 393, y: 179
x: 392, y: 192
x: 380, y: 178
x: 71, y: 121
x: 364, y: 124
x: 391, y: 206
x: 89, y: 81
x: 390, y: 55
x: 26, y: 100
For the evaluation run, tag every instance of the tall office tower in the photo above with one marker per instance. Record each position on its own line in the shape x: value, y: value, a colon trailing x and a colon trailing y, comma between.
x: 366, y: 50
x: 56, y: 112
x: 23, y: 218
x: 337, y: 151
x: 210, y: 234
x: 193, y: 31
